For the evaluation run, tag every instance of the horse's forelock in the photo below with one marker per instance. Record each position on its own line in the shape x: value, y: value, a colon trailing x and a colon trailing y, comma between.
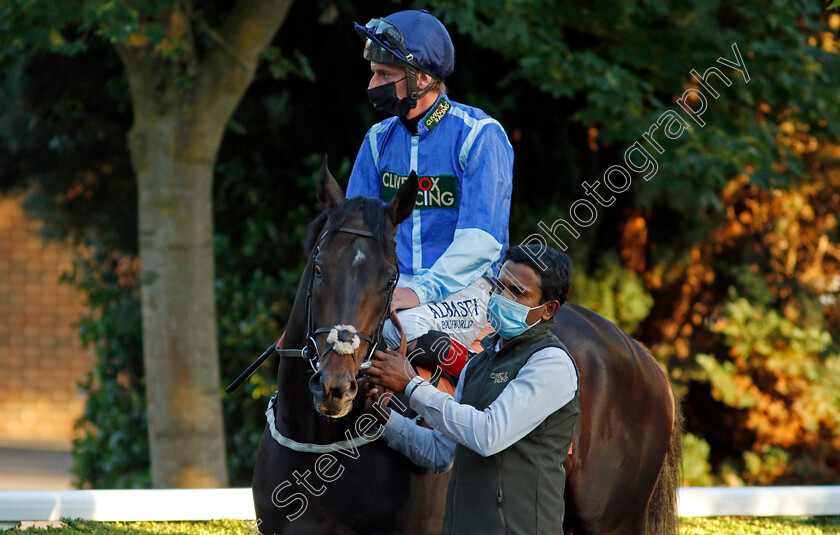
x: 373, y: 216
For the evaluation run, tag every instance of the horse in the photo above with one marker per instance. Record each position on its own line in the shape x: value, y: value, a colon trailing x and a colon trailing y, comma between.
x: 625, y: 461
x: 623, y: 471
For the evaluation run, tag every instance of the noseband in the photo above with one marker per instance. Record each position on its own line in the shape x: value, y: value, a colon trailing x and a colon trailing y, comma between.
x: 310, y: 352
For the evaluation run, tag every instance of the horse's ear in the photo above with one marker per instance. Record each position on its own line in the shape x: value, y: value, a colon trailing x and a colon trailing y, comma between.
x: 329, y: 192
x: 402, y: 204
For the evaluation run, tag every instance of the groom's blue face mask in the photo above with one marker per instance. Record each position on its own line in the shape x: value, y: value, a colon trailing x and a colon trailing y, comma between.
x: 508, y: 317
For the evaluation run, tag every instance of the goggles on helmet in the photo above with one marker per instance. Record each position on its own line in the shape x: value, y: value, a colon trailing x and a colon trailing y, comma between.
x: 390, y: 36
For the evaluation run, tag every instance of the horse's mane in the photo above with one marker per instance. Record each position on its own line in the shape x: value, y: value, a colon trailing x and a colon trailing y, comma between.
x: 373, y: 216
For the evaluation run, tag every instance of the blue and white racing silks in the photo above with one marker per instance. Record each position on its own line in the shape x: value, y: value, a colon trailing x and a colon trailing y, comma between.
x: 459, y: 226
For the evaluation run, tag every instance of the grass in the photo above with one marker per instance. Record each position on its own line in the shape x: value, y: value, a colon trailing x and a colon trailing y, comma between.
x: 690, y: 526
x: 214, y: 527
x: 760, y: 526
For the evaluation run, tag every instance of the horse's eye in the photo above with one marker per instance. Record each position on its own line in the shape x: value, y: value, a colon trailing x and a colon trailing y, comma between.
x: 392, y: 281
x: 317, y: 270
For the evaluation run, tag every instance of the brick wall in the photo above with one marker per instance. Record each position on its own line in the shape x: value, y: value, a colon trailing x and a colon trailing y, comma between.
x: 41, y: 359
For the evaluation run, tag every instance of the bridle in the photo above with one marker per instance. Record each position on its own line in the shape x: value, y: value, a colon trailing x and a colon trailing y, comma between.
x: 310, y: 351
x: 313, y: 356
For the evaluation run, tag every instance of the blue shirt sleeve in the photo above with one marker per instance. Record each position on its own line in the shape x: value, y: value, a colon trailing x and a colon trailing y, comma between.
x: 467, y: 258
x: 481, y: 234
x: 425, y: 447
x: 545, y: 384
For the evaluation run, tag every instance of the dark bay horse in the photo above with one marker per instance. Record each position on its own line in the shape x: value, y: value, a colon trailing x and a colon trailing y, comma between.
x: 314, y: 476
x: 623, y: 473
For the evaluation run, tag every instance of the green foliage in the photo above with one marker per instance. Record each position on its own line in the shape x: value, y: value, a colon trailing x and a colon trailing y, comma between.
x: 724, y: 380
x: 213, y: 527
x: 281, y: 66
x: 253, y: 303
x: 782, y: 374
x: 34, y: 26
x: 766, y: 340
x: 113, y: 451
x: 696, y: 467
x: 614, y: 292
x: 688, y: 526
x: 66, y: 145
x: 763, y: 467
x: 780, y: 344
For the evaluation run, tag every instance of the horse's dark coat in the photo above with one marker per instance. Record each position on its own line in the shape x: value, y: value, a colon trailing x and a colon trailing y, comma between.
x: 624, y: 431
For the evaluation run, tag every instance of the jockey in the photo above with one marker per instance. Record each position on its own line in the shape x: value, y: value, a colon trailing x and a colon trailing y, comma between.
x: 458, y: 231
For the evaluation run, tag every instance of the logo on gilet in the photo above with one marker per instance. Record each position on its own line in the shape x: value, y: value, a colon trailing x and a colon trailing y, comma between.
x: 434, y: 192
x: 499, y: 377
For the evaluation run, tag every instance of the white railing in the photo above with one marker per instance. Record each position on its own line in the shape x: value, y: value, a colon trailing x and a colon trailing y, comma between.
x: 760, y: 501
x: 126, y: 505
x: 208, y: 504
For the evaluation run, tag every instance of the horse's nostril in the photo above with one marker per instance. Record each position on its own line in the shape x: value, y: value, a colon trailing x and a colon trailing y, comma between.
x: 316, y: 384
x: 354, y: 388
x: 340, y: 388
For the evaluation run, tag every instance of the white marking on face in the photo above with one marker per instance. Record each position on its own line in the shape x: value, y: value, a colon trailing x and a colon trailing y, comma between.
x: 360, y: 256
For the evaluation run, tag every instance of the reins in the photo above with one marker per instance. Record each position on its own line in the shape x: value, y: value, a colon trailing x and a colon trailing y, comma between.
x: 396, y: 321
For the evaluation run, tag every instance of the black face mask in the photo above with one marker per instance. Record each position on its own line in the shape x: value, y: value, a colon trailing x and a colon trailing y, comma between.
x: 385, y: 101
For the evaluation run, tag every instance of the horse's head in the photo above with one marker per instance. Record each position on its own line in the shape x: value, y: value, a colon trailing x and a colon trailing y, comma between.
x: 352, y: 271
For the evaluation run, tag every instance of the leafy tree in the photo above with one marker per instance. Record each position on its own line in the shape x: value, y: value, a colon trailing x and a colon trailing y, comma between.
x: 185, y: 79
x: 767, y: 349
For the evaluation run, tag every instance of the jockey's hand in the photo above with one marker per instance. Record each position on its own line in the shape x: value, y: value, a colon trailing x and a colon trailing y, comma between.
x: 390, y: 370
x: 404, y: 298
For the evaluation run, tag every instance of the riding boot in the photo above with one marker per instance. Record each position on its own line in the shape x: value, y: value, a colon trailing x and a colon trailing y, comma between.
x: 436, y: 348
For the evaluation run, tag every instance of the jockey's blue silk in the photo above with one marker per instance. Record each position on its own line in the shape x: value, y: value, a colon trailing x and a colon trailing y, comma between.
x: 459, y: 226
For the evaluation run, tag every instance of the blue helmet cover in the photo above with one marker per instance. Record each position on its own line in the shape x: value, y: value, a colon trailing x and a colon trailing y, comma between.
x: 424, y: 37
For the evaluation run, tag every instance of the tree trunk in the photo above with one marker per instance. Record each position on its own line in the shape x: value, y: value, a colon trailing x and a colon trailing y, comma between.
x: 179, y: 312
x: 173, y: 143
